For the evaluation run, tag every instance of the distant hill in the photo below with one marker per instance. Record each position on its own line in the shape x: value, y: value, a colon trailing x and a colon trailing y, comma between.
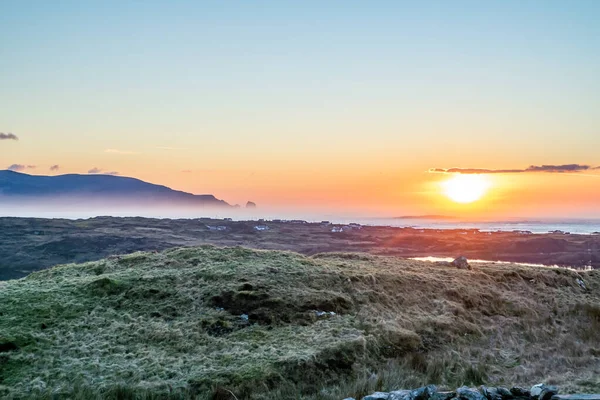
x: 96, y: 189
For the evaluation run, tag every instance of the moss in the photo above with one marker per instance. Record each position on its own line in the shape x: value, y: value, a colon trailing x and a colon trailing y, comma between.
x: 203, y: 322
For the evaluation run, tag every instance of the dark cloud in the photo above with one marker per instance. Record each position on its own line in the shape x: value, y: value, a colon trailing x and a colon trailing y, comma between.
x: 8, y: 136
x: 55, y: 167
x: 531, y: 168
x: 96, y: 170
x: 20, y: 167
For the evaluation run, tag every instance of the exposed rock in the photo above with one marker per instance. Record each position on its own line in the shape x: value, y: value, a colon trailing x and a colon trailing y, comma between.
x: 548, y: 392
x: 506, y: 394
x: 461, y: 263
x: 576, y: 397
x: 467, y: 393
x: 491, y: 393
x: 443, y: 396
x: 535, y: 390
x: 424, y: 393
x: 377, y: 396
x: 519, y: 391
x: 400, y: 395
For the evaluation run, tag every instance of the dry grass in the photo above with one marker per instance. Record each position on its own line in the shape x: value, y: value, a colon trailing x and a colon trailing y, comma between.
x: 169, y: 325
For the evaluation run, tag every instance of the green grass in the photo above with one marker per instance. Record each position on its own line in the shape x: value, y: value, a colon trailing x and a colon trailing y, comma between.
x: 170, y: 325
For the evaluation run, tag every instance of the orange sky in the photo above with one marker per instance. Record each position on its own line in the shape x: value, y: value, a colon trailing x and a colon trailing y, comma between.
x: 335, y: 108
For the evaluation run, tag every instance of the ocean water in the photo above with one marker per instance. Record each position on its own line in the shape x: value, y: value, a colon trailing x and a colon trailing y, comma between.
x: 577, y: 226
x: 541, y: 226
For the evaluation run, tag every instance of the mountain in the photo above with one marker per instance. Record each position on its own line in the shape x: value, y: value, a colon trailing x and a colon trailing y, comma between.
x: 95, y: 189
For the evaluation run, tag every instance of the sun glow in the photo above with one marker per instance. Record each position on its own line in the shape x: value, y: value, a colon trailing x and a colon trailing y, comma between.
x: 466, y: 188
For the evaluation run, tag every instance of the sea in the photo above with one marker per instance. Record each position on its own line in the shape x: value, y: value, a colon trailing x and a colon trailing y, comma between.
x: 574, y: 226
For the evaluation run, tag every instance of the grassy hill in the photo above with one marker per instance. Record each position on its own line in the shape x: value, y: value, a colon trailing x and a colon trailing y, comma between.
x: 210, y: 322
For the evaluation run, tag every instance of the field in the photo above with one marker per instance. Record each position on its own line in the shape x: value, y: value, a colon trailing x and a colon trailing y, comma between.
x: 31, y: 244
x: 213, y: 323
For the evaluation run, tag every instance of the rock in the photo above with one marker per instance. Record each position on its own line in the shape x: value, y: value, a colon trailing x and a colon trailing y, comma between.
x: 535, y: 390
x: 461, y: 263
x: 581, y: 283
x: 424, y: 393
x: 349, y: 398
x: 506, y: 394
x: 576, y: 397
x: 250, y: 204
x: 400, y: 395
x: 467, y: 393
x: 443, y: 396
x: 377, y: 396
x: 490, y: 393
x: 519, y: 391
x: 548, y: 392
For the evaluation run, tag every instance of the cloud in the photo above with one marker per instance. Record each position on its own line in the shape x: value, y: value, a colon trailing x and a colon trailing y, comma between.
x: 117, y: 151
x: 97, y: 170
x: 20, y: 167
x: 55, y: 167
x: 532, y: 168
x: 8, y: 136
x: 187, y: 171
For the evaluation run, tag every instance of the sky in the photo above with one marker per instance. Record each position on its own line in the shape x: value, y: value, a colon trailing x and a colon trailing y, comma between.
x: 347, y: 106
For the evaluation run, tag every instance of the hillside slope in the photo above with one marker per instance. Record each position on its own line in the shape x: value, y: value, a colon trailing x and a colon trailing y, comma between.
x: 96, y: 188
x: 200, y: 322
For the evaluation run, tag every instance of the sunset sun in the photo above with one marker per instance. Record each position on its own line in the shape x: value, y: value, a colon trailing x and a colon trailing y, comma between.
x: 465, y: 188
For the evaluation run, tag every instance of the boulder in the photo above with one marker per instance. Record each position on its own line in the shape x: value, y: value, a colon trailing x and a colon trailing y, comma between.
x: 548, y: 392
x: 535, y: 390
x: 519, y: 391
x: 467, y: 393
x: 377, y: 396
x: 400, y: 395
x: 490, y: 393
x: 506, y: 394
x: 576, y: 397
x: 461, y: 263
x: 424, y: 393
x: 443, y: 396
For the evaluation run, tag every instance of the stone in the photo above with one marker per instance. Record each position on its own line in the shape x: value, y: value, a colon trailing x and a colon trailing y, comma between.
x: 349, y: 398
x: 467, y: 393
x: 547, y: 393
x: 519, y: 391
x: 443, y: 396
x: 400, y: 395
x: 535, y: 390
x: 490, y: 393
x: 461, y: 263
x: 377, y: 396
x: 505, y: 393
x: 424, y: 393
x: 576, y: 397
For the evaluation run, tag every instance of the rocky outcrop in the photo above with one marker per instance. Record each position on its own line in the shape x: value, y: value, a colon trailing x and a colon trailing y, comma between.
x: 461, y: 263
x: 429, y: 392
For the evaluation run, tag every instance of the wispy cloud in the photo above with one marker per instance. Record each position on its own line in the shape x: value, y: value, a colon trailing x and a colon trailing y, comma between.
x: 565, y: 168
x: 117, y: 151
x: 187, y: 171
x: 55, y: 167
x: 8, y: 136
x: 20, y: 167
x: 97, y: 170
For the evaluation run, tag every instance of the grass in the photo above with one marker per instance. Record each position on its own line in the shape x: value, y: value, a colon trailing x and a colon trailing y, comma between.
x: 214, y: 323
